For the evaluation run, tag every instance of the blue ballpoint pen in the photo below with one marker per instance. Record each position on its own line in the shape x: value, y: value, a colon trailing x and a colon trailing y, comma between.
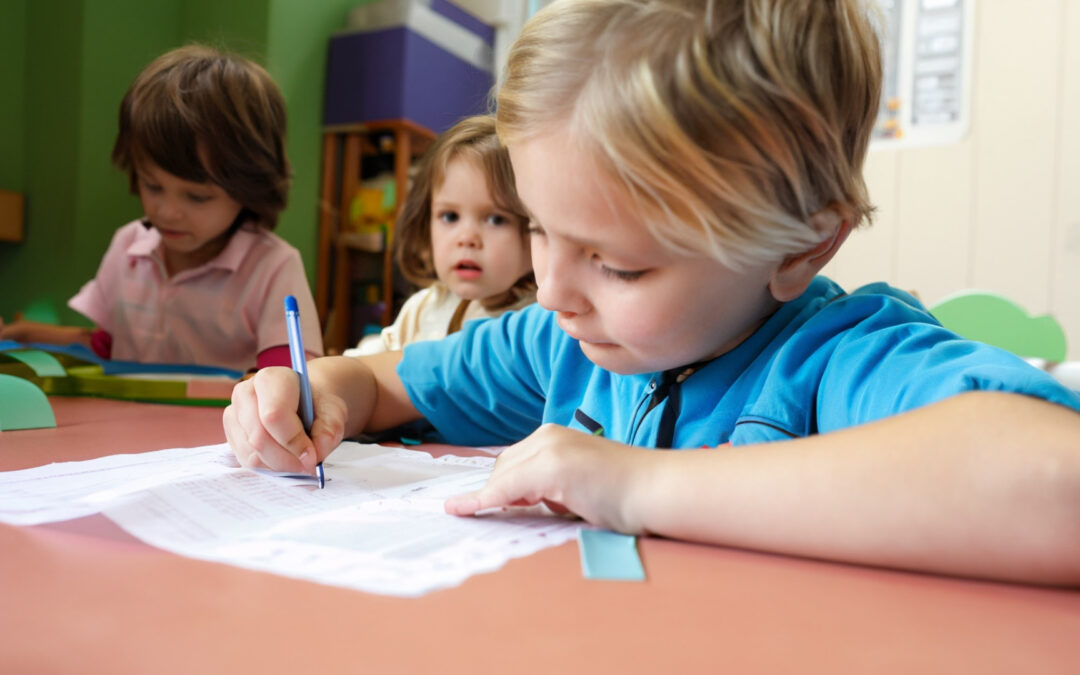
x: 299, y: 364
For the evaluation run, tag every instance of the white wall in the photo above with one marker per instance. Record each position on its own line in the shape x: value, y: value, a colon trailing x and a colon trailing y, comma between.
x: 508, y: 16
x: 1001, y: 209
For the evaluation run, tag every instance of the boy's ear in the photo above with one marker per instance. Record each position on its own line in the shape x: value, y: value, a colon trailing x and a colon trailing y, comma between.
x: 794, y: 274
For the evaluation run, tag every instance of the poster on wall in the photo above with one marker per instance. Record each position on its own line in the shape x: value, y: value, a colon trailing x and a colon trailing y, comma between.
x: 926, y: 89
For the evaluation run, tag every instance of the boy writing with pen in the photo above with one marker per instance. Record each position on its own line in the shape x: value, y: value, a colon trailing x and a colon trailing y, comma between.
x: 684, y: 192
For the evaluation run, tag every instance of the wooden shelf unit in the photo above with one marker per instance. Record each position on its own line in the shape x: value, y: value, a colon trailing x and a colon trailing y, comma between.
x: 344, y: 147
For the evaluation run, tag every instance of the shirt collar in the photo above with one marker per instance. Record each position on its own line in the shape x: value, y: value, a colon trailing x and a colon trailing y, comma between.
x: 148, y: 240
x: 145, y: 243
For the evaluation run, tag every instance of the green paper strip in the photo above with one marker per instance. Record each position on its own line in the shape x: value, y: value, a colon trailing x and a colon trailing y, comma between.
x: 43, y: 363
x: 23, y: 405
x: 112, y: 386
x: 609, y: 555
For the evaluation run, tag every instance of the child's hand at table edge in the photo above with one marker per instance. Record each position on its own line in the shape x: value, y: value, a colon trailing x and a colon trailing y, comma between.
x: 33, y: 331
x: 264, y: 428
x: 569, y: 471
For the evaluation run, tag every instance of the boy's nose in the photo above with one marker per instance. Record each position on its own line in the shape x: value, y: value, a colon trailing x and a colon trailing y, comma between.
x: 557, y: 288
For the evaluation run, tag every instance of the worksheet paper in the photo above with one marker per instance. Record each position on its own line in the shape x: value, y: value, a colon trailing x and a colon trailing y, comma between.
x: 379, y: 526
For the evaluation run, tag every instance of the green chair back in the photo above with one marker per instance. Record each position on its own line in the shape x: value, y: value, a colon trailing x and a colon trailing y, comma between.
x: 996, y: 320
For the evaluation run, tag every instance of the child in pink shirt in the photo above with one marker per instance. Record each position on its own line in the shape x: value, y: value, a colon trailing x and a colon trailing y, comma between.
x: 200, y: 278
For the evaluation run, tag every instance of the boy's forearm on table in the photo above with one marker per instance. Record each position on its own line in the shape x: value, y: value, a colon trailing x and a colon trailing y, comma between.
x: 373, y: 393
x: 984, y: 484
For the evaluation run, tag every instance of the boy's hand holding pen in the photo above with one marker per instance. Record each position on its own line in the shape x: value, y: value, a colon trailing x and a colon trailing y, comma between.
x: 263, y: 423
x: 273, y: 419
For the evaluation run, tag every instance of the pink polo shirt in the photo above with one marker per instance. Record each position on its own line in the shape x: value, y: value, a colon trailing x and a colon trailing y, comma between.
x: 223, y: 313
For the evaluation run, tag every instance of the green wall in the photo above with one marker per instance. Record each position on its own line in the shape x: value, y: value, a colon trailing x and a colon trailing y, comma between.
x: 67, y: 63
x: 39, y: 267
x: 113, y: 51
x: 13, y: 86
x: 298, y: 62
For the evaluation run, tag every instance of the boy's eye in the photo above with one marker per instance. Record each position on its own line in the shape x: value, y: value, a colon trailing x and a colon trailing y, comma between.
x: 497, y: 219
x: 150, y: 187
x: 198, y: 199
x: 622, y: 275
x: 448, y: 216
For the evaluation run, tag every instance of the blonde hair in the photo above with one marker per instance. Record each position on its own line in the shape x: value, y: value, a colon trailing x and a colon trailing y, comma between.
x: 728, y: 123
x: 205, y: 115
x: 471, y: 138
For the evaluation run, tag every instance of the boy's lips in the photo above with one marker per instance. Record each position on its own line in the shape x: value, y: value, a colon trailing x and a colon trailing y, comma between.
x: 576, y: 336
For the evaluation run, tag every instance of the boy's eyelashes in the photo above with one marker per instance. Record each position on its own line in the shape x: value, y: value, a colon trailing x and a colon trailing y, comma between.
x: 606, y: 270
x: 615, y: 272
x: 622, y: 275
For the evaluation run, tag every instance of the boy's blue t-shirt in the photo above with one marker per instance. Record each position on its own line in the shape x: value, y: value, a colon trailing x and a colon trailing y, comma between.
x: 826, y: 361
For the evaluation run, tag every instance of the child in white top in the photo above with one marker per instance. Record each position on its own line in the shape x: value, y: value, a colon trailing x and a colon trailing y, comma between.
x: 463, y: 235
x: 200, y: 279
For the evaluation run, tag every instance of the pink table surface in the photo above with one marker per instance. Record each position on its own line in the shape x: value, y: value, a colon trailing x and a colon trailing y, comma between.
x: 85, y: 597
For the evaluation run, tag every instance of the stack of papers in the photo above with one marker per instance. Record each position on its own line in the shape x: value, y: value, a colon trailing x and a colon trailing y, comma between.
x: 379, y: 526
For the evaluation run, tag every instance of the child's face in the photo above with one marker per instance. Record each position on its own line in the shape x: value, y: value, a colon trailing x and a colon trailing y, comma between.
x: 192, y: 218
x: 633, y: 305
x: 477, y: 248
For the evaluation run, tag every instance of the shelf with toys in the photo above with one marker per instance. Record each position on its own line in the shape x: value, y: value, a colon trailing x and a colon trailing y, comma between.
x: 365, y: 176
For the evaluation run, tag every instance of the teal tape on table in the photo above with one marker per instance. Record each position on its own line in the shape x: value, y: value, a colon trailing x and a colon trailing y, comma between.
x: 609, y: 555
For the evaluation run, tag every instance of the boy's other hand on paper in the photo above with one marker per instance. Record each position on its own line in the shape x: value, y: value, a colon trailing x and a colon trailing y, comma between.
x: 264, y: 428
x: 569, y: 471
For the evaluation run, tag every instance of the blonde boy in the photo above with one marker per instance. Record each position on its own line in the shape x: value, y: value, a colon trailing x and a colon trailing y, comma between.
x: 689, y: 168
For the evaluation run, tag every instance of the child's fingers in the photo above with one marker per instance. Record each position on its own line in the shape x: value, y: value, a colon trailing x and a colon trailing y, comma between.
x: 468, y: 504
x: 251, y: 443
x: 463, y: 505
x: 522, y: 484
x: 245, y: 454
x: 516, y: 481
x: 244, y: 439
x: 277, y: 397
x: 256, y: 456
x: 555, y: 466
x: 328, y: 429
x: 262, y: 424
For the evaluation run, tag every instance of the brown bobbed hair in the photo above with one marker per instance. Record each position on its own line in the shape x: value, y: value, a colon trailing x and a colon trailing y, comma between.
x: 474, y: 139
x: 206, y: 115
